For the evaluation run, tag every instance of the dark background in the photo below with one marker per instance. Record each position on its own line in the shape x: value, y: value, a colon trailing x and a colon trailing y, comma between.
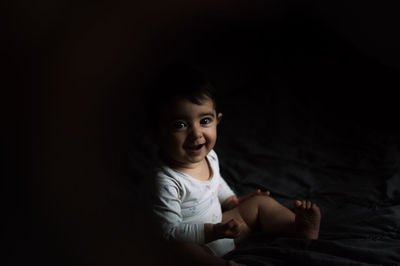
x: 74, y: 78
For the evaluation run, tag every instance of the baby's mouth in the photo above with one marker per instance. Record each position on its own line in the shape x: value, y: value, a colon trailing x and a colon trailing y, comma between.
x: 195, y: 147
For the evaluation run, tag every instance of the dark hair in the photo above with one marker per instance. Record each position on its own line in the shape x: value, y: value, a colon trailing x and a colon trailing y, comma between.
x: 177, y: 81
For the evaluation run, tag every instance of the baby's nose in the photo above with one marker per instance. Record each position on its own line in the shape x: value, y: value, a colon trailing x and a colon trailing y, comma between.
x: 196, y: 132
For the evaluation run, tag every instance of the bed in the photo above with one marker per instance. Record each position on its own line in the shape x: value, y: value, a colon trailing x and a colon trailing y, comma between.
x: 298, y: 121
x: 351, y: 173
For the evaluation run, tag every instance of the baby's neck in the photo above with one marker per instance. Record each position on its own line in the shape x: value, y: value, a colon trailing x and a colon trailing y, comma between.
x: 201, y: 170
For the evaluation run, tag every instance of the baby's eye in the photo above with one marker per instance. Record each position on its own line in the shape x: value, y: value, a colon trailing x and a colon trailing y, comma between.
x: 179, y: 125
x: 205, y: 121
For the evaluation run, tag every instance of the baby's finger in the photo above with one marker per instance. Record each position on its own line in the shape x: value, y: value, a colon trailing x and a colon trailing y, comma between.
x: 234, y: 232
x: 232, y: 223
x: 252, y: 194
x: 245, y: 197
x: 235, y: 200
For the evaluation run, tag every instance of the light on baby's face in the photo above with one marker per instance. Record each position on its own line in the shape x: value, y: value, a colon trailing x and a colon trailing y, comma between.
x: 188, y: 131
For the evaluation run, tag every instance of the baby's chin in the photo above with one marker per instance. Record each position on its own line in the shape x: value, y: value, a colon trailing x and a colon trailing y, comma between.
x: 190, y: 158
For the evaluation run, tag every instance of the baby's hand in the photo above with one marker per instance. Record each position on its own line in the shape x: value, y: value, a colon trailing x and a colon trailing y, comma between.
x: 254, y: 193
x: 230, y: 229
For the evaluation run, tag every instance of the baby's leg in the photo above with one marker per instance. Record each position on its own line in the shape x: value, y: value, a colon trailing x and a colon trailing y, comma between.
x: 262, y: 213
x: 266, y: 214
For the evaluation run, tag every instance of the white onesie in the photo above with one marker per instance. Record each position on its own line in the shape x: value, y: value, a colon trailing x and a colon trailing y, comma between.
x: 184, y: 204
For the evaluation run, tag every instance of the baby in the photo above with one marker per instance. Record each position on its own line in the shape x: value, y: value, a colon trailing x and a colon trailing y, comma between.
x: 194, y: 202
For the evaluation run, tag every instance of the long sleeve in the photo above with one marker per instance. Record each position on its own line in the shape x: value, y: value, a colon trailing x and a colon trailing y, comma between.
x: 224, y: 191
x: 168, y: 209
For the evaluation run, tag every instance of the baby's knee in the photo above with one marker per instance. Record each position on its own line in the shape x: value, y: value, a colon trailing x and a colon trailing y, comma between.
x: 257, y: 202
x: 262, y: 199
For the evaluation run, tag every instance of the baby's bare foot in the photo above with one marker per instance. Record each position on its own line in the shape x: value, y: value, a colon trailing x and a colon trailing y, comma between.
x: 308, y: 217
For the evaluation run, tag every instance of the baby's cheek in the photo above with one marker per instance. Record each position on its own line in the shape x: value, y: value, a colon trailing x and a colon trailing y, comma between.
x: 211, y: 142
x: 176, y: 141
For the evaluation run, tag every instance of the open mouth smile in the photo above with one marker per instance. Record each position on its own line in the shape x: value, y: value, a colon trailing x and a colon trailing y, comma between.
x: 195, y: 148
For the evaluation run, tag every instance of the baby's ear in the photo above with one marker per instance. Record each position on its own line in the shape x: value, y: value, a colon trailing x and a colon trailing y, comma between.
x: 219, y: 117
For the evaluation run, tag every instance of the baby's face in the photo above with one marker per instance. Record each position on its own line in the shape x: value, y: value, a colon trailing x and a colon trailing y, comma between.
x: 188, y: 131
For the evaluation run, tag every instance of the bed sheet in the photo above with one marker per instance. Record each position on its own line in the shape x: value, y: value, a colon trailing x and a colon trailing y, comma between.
x: 352, y: 173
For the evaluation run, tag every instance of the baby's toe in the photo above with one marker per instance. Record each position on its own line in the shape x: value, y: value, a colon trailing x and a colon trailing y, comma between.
x: 315, y: 207
x: 297, y: 203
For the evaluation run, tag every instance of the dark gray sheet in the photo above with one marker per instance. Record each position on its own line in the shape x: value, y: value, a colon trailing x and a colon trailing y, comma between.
x: 352, y: 173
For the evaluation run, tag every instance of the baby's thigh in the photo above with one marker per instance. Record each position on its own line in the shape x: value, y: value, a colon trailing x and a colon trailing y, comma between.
x: 249, y: 210
x: 246, y: 212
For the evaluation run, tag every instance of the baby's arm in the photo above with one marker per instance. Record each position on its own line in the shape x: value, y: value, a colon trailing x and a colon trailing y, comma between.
x: 168, y: 209
x: 234, y: 201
